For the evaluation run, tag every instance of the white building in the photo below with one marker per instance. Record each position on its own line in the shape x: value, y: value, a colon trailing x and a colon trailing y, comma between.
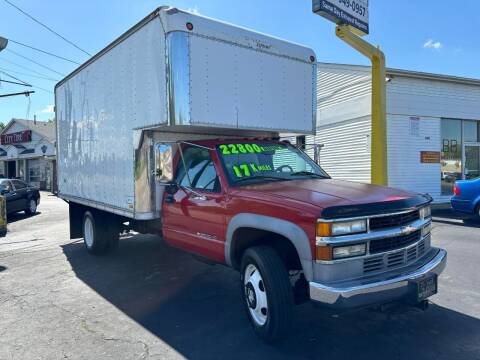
x: 27, y: 152
x: 433, y: 127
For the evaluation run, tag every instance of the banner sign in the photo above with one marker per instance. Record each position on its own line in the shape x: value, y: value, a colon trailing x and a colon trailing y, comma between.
x: 17, y: 137
x: 349, y: 12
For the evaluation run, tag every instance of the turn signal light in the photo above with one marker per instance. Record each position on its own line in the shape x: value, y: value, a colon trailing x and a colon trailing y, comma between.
x: 324, y: 229
x: 323, y: 253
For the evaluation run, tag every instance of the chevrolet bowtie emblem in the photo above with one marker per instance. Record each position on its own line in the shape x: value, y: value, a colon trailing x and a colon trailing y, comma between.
x: 407, y: 229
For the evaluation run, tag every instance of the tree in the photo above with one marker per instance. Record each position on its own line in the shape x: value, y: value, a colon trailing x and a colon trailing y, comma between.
x: 2, y: 126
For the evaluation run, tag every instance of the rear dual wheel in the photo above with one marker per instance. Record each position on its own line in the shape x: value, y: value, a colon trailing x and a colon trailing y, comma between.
x: 100, y: 233
x: 267, y: 293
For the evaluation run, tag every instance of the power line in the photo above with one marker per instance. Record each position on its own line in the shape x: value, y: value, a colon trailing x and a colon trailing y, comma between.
x: 45, y: 26
x: 40, y: 88
x: 43, y: 51
x: 14, y: 82
x: 23, y: 67
x: 30, y: 75
x: 26, y: 84
x: 14, y: 78
x: 33, y: 61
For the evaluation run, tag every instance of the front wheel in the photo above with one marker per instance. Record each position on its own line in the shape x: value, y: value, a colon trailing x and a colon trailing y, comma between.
x: 31, y: 207
x: 267, y: 293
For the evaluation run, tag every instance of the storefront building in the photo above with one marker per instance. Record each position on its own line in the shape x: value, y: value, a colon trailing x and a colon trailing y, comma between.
x: 27, y: 152
x: 433, y: 127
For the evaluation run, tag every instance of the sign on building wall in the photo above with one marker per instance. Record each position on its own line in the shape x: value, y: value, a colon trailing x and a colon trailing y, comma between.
x: 430, y: 157
x: 349, y: 12
x: 16, y: 137
x: 414, y: 126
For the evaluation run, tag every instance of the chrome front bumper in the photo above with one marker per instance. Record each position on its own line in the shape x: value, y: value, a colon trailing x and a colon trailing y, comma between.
x: 376, y: 291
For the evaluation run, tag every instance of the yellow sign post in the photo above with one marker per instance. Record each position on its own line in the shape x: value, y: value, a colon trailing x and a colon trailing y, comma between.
x: 379, y: 174
x: 352, y: 21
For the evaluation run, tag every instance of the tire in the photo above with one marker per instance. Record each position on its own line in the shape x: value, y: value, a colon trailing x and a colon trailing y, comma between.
x: 99, y: 237
x: 31, y: 206
x: 267, y: 293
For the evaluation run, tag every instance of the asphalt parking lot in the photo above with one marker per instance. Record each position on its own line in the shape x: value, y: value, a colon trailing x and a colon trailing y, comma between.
x: 149, y: 301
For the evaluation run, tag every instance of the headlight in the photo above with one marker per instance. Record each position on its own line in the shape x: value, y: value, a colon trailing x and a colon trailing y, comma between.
x: 325, y: 229
x: 329, y: 253
x: 343, y: 252
x: 425, y: 212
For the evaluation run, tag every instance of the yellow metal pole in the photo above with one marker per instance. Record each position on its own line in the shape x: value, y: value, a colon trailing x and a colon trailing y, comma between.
x: 379, y: 173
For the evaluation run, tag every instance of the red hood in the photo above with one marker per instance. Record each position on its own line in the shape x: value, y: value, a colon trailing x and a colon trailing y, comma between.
x: 326, y: 192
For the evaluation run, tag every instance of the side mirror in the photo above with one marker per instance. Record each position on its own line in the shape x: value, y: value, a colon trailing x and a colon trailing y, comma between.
x: 164, y: 163
x: 4, y: 190
x: 172, y: 188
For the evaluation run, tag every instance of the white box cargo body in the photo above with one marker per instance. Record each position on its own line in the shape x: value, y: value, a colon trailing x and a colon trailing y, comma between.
x: 173, y: 73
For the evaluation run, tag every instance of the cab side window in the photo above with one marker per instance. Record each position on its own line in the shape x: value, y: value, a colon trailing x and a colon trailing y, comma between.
x: 200, y: 172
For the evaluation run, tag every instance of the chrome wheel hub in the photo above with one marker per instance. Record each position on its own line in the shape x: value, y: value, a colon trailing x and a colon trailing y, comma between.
x: 32, y: 206
x: 255, y: 295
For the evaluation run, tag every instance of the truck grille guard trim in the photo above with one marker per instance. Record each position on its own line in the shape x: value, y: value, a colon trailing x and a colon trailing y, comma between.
x: 371, y: 236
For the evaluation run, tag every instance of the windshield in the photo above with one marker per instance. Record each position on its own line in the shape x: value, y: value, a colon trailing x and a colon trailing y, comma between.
x: 266, y: 161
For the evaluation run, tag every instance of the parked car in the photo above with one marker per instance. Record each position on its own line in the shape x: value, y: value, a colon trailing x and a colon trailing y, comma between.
x: 19, y: 196
x: 466, y: 197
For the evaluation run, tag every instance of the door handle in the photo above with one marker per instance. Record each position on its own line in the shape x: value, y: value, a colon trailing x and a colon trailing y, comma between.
x: 198, y: 197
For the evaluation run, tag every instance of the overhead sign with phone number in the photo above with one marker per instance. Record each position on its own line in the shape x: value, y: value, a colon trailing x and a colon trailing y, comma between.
x: 349, y: 12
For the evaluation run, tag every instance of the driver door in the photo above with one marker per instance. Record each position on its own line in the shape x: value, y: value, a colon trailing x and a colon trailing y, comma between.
x: 194, y: 217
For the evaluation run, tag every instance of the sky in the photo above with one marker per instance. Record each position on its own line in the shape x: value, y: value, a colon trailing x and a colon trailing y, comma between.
x: 422, y: 35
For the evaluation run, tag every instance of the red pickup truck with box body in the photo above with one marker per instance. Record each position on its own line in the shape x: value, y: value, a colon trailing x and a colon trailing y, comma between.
x: 174, y: 130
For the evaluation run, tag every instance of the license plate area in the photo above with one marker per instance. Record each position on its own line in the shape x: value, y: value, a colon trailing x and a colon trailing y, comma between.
x: 424, y: 288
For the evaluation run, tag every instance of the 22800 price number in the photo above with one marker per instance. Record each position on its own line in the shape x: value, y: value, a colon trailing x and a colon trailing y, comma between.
x: 355, y: 6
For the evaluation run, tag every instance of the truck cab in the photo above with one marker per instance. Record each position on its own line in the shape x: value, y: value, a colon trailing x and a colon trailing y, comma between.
x: 267, y: 209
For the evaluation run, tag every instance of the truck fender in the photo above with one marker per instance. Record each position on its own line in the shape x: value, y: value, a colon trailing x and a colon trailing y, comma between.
x: 291, y: 231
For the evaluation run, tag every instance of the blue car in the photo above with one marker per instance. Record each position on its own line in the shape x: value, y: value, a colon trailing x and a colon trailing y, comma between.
x: 466, y: 197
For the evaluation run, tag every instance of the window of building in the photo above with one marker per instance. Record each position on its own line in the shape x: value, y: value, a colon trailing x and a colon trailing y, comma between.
x: 34, y: 174
x: 460, y: 152
x: 200, y: 170
x: 451, y: 154
x: 470, y: 131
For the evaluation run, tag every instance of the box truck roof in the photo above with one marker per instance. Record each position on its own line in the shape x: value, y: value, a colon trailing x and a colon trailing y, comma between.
x: 174, y: 19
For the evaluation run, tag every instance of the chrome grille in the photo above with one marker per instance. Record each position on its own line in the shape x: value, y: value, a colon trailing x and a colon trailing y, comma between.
x: 390, y: 221
x: 395, y: 242
x: 394, y: 259
x: 372, y: 264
